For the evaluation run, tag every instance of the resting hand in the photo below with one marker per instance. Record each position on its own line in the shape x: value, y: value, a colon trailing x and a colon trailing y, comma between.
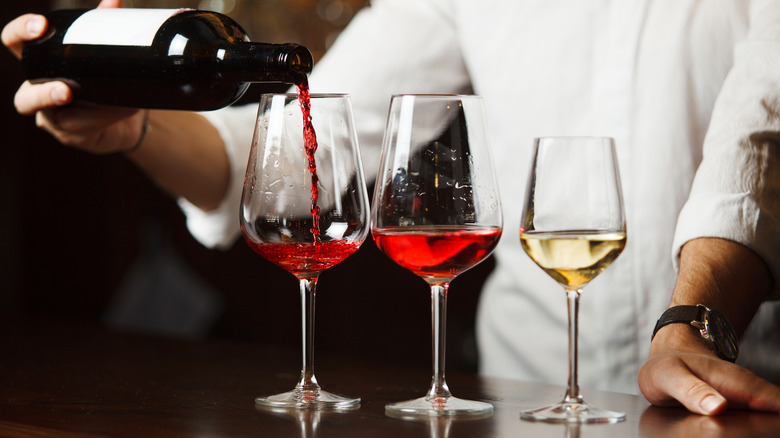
x: 90, y: 128
x: 681, y: 370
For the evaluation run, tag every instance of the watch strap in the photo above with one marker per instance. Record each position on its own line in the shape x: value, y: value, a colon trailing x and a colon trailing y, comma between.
x: 711, y: 324
x: 684, y: 314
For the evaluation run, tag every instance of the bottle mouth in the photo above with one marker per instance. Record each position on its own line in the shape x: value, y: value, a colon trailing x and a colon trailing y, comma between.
x: 299, y: 58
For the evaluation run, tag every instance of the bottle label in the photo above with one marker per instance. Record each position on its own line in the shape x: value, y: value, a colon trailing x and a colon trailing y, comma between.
x: 118, y: 27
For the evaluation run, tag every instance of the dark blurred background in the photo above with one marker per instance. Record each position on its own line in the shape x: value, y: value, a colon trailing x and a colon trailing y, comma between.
x: 91, y: 238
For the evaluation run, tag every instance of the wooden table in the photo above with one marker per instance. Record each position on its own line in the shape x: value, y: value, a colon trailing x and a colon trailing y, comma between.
x: 74, y: 380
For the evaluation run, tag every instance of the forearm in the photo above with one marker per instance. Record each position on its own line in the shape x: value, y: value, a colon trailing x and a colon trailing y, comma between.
x: 682, y: 366
x: 722, y: 275
x: 184, y: 154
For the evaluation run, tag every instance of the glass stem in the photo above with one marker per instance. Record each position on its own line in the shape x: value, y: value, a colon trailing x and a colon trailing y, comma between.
x: 308, y: 383
x: 439, y: 387
x: 573, y: 391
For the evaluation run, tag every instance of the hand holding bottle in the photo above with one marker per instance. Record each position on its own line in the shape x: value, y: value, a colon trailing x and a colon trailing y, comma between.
x: 94, y: 129
x: 182, y: 152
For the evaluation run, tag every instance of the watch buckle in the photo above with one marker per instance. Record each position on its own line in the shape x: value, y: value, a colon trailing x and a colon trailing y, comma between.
x: 703, y: 325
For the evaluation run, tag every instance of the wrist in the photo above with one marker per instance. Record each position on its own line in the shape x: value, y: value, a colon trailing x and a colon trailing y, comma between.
x: 679, y: 337
x: 708, y: 325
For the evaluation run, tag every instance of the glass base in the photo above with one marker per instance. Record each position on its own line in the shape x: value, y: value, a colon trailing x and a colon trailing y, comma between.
x: 439, y: 406
x: 300, y: 399
x: 573, y: 413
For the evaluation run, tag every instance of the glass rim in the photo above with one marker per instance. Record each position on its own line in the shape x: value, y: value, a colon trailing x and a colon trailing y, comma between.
x: 574, y: 137
x: 311, y: 95
x: 437, y: 95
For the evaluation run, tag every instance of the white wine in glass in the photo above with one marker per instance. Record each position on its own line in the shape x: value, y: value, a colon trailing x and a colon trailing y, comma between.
x: 573, y: 227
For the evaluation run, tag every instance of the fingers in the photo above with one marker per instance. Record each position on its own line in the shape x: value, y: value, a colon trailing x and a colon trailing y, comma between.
x: 22, y: 29
x: 745, y: 390
x: 668, y: 380
x: 98, y: 130
x: 705, y: 385
x: 110, y: 4
x: 31, y: 98
x: 81, y: 118
x: 31, y: 26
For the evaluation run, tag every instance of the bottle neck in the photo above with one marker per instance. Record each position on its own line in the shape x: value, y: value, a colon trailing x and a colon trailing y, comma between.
x: 261, y: 62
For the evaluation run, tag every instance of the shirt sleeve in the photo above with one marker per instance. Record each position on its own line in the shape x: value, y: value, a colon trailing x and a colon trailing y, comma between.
x: 219, y: 228
x: 736, y: 191
x: 390, y: 47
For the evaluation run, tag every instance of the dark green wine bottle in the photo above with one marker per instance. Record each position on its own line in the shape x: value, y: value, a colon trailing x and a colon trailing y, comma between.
x: 158, y: 58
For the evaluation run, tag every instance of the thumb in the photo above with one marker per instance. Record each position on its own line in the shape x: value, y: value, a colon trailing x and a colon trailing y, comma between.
x: 695, y: 394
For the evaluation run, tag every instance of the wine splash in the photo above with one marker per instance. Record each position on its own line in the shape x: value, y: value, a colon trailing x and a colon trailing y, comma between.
x: 310, y: 146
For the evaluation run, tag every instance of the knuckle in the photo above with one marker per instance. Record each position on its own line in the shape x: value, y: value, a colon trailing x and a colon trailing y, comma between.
x: 30, y: 99
x: 69, y: 140
x: 693, y: 388
x: 20, y: 103
x: 8, y: 35
x: 40, y: 123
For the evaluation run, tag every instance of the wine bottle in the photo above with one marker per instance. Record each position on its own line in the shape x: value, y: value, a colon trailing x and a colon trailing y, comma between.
x: 158, y: 58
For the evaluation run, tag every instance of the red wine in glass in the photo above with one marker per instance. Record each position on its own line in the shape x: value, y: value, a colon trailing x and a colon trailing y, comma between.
x: 304, y: 207
x: 302, y: 259
x: 436, y: 212
x: 437, y: 251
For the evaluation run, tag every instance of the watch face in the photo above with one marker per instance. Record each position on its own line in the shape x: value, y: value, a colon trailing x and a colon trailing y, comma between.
x: 722, y: 335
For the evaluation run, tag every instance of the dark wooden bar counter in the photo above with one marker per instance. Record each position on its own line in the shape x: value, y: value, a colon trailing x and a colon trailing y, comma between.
x: 59, y: 379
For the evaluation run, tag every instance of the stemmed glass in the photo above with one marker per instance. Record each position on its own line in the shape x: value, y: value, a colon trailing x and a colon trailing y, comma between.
x: 305, y: 208
x: 573, y: 227
x: 436, y: 212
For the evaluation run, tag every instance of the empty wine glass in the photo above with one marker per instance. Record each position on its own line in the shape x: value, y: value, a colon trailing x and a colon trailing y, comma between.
x: 305, y: 208
x: 436, y: 212
x: 573, y: 227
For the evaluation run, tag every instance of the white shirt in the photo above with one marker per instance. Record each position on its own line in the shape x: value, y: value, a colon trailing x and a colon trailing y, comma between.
x: 690, y: 90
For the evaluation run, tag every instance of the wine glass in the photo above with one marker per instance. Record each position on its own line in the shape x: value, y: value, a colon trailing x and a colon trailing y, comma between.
x: 436, y: 212
x: 573, y: 227
x: 305, y: 208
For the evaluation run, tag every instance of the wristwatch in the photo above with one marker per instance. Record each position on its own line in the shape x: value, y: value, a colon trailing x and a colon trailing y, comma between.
x: 712, y: 325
